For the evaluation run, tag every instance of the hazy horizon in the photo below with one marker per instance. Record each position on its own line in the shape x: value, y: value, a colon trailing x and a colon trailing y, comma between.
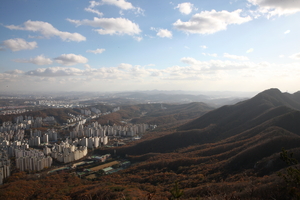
x: 133, y: 45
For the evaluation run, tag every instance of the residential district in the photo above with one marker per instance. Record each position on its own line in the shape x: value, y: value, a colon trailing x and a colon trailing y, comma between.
x: 38, y: 150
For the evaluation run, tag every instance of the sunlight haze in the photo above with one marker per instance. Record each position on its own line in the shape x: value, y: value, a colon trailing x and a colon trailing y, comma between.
x: 119, y: 45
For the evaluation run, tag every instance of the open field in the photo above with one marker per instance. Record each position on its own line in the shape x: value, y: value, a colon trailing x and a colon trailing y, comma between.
x: 104, y: 166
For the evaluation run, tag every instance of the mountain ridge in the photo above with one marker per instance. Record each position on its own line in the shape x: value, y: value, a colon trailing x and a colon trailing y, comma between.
x: 242, y: 120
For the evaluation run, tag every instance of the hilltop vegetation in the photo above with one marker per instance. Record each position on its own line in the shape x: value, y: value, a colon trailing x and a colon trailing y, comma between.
x: 60, y: 114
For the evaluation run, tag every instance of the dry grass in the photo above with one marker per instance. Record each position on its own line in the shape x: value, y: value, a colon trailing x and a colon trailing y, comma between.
x: 99, y: 167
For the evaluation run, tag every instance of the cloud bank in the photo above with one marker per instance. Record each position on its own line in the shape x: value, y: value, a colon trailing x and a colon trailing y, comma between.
x: 19, y: 44
x: 277, y: 7
x: 110, y: 26
x: 295, y: 56
x: 39, y: 60
x: 47, y: 30
x: 70, y: 59
x: 209, y: 22
x: 226, y: 55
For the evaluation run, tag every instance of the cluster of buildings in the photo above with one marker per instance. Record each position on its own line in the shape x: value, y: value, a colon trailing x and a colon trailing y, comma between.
x: 67, y: 151
x: 58, y: 104
x: 14, y: 143
x: 96, y: 130
x: 86, y: 112
x: 26, y: 159
x: 32, y: 160
x: 11, y: 132
x: 52, y: 103
x: 91, y: 113
x: 74, y: 118
x: 49, y: 120
x: 28, y: 122
x: 37, y: 137
x: 4, y: 166
x: 97, y: 111
x: 30, y: 102
x: 14, y: 111
x: 116, y: 109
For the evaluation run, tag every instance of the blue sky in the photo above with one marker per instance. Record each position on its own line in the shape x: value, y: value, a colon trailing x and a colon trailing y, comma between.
x: 120, y: 45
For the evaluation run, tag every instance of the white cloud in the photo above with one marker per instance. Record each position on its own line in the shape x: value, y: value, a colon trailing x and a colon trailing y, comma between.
x: 94, y: 4
x: 203, y: 47
x: 164, y: 33
x: 47, y: 30
x: 110, y: 26
x: 11, y: 76
x: 277, y: 7
x: 190, y: 61
x: 19, y: 44
x: 295, y: 56
x: 97, y: 51
x: 254, y: 13
x: 214, y: 65
x: 208, y: 22
x: 138, y: 71
x: 15, y: 71
x: 196, y: 73
x: 156, y: 73
x: 281, y: 56
x: 286, y: 32
x: 139, y: 11
x: 150, y: 65
x: 186, y: 8
x: 55, y: 71
x: 87, y: 66
x: 250, y: 50
x: 119, y: 3
x: 36, y: 37
x: 138, y: 38
x: 91, y: 10
x: 124, y: 5
x: 125, y: 66
x: 39, y: 60
x: 226, y: 55
x: 70, y: 59
x: 210, y: 54
x: 213, y: 55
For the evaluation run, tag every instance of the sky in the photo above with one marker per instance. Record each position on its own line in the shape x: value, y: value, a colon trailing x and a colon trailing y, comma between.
x: 129, y: 45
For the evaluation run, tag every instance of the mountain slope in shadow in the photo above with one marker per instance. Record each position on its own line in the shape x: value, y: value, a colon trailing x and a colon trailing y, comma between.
x: 240, y: 121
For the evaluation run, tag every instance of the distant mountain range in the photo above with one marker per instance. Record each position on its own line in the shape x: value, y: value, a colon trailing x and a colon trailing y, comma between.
x: 175, y: 97
x: 242, y: 134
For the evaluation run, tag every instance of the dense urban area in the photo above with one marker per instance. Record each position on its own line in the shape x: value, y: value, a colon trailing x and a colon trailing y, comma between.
x: 37, y: 144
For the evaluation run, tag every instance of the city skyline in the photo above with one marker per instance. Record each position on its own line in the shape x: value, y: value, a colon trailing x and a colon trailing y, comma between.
x: 120, y: 45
